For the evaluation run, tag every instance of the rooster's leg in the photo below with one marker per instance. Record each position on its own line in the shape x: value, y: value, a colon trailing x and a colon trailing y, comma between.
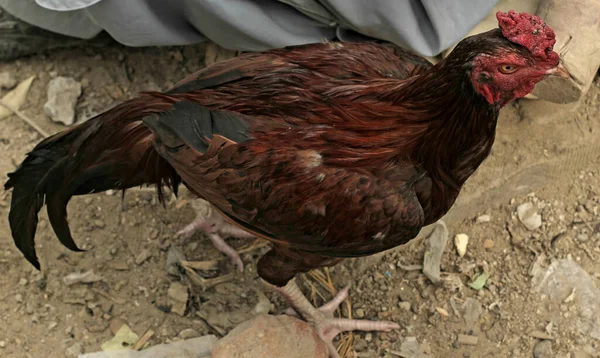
x: 215, y: 227
x: 322, y: 318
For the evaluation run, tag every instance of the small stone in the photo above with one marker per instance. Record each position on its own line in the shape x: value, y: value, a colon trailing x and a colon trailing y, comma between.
x: 410, y: 347
x: 583, y: 237
x: 119, y: 266
x: 543, y: 349
x: 405, y: 306
x: 360, y: 313
x: 528, y: 216
x: 142, y: 257
x: 98, y: 224
x: 436, y: 243
x: 63, y: 93
x: 483, y: 219
x: 272, y: 336
x: 86, y: 277
x: 188, y: 333
x: 360, y: 344
x: 178, y: 292
x: 488, y: 244
x: 2, y: 344
x: 461, y: 241
x: 19, y: 298
x: 23, y: 282
x: 467, y: 340
x: 74, y: 351
x: 7, y: 80
x: 52, y: 325
x: 368, y: 337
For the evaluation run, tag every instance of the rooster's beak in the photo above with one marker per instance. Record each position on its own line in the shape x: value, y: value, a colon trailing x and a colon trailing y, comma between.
x: 559, y: 71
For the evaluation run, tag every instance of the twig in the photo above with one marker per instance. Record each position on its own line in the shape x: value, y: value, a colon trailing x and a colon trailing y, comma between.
x: 27, y: 120
x: 143, y: 340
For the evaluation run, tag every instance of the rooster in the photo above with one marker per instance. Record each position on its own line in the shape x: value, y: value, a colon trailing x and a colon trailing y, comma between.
x: 329, y: 150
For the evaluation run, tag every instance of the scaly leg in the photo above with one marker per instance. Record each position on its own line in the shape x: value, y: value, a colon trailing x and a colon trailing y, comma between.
x: 215, y: 227
x: 322, y: 318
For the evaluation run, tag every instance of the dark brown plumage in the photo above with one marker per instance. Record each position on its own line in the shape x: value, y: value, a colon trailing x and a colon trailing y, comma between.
x: 327, y: 150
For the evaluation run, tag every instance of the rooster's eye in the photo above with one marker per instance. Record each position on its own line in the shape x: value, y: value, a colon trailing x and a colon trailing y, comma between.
x: 508, y: 69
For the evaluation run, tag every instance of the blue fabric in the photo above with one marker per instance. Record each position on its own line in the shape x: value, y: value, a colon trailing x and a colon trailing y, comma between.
x: 425, y: 26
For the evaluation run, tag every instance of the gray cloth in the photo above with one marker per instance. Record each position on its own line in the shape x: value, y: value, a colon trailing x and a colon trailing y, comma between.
x: 425, y: 26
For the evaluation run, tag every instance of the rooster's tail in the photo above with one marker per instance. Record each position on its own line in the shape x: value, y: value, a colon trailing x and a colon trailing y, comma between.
x: 111, y: 151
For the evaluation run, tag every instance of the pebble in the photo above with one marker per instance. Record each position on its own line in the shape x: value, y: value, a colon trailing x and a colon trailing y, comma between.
x: 2, y: 344
x: 483, y: 219
x: 63, y: 93
x: 74, y: 351
x: 23, y: 282
x: 467, y: 340
x: 7, y: 80
x: 436, y: 243
x: 529, y: 216
x: 85, y: 277
x: 543, y: 349
x: 360, y: 313
x: 360, y: 344
x: 583, y: 237
x: 410, y: 347
x: 19, y: 297
x: 188, y: 333
x: 369, y: 337
x: 488, y: 244
x: 142, y: 257
x: 99, y: 224
x: 404, y: 306
x: 461, y: 241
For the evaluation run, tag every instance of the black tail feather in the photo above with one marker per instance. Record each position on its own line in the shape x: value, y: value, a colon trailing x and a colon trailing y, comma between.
x: 111, y: 151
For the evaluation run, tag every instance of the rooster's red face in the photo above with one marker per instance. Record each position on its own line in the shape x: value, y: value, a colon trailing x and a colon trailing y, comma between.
x: 508, y: 74
x: 509, y: 71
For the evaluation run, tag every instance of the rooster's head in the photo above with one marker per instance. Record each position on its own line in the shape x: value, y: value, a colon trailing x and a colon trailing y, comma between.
x: 505, y: 64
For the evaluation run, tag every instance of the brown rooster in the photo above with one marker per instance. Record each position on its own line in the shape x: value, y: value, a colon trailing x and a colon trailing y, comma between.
x: 327, y: 150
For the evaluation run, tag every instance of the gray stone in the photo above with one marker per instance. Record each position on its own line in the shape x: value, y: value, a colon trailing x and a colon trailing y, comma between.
x: 7, y: 80
x: 63, y: 93
x: 436, y: 243
x: 543, y: 349
x: 529, y: 216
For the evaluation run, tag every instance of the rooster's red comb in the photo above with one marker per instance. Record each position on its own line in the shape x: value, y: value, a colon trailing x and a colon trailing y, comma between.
x: 530, y: 32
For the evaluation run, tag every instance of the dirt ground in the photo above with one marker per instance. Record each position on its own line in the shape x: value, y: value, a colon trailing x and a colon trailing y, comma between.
x: 552, y: 164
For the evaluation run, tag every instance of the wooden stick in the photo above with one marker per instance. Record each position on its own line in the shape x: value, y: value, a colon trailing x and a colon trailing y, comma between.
x: 27, y: 120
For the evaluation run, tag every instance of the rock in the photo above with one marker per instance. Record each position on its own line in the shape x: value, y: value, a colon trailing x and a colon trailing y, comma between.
x: 467, y: 340
x: 178, y: 296
x: 360, y: 344
x: 488, y: 244
x: 74, y: 351
x: 86, y: 277
x: 2, y: 344
x: 410, y: 347
x: 7, y: 80
x: 529, y: 216
x: 63, y: 93
x: 472, y: 310
x: 271, y: 336
x: 483, y: 219
x: 142, y: 257
x: 543, y: 349
x: 404, y: 306
x: 583, y: 237
x: 461, y: 241
x: 436, y: 244
x: 174, y: 256
x: 188, y: 333
x: 559, y: 281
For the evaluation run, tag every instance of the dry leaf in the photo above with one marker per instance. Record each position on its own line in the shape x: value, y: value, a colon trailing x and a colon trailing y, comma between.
x: 16, y: 97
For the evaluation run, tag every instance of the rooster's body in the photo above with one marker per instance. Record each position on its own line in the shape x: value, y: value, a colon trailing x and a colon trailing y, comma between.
x: 327, y: 150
